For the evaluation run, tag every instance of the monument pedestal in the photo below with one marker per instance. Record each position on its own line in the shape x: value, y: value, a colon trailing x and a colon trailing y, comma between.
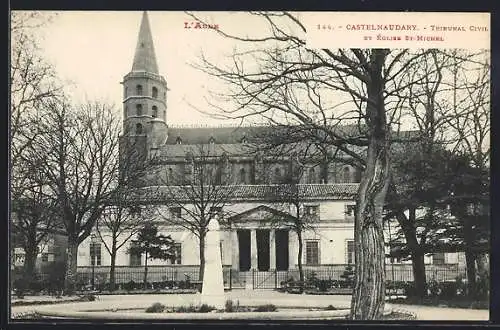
x: 212, y: 292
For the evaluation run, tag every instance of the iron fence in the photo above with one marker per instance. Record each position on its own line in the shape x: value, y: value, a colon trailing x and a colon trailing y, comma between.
x: 271, y: 279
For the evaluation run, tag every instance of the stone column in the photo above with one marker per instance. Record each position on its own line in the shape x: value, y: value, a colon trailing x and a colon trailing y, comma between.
x: 253, y: 248
x: 293, y: 249
x: 235, y: 250
x: 272, y: 249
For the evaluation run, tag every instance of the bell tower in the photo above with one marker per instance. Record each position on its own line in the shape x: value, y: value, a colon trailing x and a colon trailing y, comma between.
x: 145, y: 94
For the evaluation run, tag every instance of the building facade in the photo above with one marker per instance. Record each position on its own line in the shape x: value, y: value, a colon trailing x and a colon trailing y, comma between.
x: 250, y: 240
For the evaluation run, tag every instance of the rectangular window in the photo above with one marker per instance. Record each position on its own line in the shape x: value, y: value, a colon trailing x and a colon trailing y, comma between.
x: 45, y: 257
x: 312, y: 252
x: 135, y: 258
x: 349, y: 210
x: 311, y: 210
x: 438, y: 259
x: 175, y: 212
x: 350, y: 252
x: 176, y: 259
x: 95, y: 254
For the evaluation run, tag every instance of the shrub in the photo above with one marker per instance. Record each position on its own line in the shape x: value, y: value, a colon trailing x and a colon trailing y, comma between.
x: 88, y: 297
x: 433, y: 288
x: 55, y: 277
x: 205, y: 308
x: 448, y: 290
x: 230, y: 307
x: 330, y: 308
x: 185, y: 309
x: 130, y: 285
x: 324, y: 285
x: 265, y: 308
x: 348, y: 277
x: 156, y: 308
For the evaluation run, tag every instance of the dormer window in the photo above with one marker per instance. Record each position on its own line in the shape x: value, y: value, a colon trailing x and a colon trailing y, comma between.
x: 211, y: 140
x: 154, y: 92
x: 138, y: 109
x: 244, y: 139
x: 155, y: 111
x: 139, y: 89
x: 178, y: 140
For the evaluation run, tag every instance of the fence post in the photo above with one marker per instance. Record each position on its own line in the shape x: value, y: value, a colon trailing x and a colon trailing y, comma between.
x: 253, y: 279
x: 230, y: 279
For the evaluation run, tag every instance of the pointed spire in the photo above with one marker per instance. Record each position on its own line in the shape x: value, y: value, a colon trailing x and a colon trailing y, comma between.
x: 145, y: 58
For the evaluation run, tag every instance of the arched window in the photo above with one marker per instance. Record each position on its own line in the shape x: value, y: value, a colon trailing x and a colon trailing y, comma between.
x: 242, y: 176
x: 154, y: 92
x: 138, y: 109
x: 155, y: 111
x: 139, y: 89
x: 138, y: 128
x: 311, y: 178
x: 347, y: 175
x: 170, y: 177
x: 277, y: 175
x: 178, y: 140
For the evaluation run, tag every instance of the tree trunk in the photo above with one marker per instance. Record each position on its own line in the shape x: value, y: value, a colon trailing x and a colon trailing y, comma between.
x: 470, y: 261
x: 482, y: 264
x: 470, y: 254
x: 417, y: 255
x: 71, y: 266
x: 299, y: 261
x: 202, y: 257
x: 419, y: 279
x: 29, y: 265
x: 112, y: 275
x: 369, y: 291
x: 145, y: 281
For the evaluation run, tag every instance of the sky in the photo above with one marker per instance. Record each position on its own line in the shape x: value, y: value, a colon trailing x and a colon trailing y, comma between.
x: 94, y: 50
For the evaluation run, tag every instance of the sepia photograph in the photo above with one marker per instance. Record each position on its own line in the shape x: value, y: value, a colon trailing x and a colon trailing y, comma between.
x: 255, y: 166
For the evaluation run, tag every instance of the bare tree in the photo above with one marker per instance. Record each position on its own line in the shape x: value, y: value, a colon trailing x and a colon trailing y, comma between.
x: 293, y: 85
x: 120, y: 221
x: 442, y: 109
x: 33, y: 82
x: 194, y: 199
x: 78, y: 155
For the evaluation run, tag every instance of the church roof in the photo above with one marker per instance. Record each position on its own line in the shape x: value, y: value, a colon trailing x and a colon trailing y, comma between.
x: 221, y: 135
x: 339, y: 191
x: 145, y: 58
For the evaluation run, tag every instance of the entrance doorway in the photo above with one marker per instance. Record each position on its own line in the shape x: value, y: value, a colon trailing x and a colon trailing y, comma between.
x: 263, y: 250
x: 244, y: 248
x: 282, y: 260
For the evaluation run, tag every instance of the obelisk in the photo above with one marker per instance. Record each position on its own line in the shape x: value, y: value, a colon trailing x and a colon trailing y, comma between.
x: 212, y: 292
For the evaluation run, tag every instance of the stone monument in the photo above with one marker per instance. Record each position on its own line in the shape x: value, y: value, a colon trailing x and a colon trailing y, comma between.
x: 212, y: 292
